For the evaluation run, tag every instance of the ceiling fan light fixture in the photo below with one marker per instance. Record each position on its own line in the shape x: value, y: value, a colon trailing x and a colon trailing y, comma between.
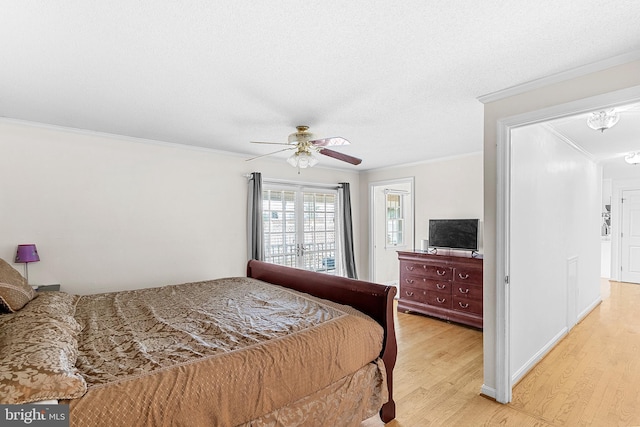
x: 302, y: 160
x: 632, y: 158
x: 301, y: 135
x: 603, y: 120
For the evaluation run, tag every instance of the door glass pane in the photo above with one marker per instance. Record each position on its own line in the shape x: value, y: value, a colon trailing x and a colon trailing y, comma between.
x: 319, y: 232
x: 395, y: 219
x: 278, y: 214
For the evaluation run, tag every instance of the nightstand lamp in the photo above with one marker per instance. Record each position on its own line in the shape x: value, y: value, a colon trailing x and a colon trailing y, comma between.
x: 26, y: 254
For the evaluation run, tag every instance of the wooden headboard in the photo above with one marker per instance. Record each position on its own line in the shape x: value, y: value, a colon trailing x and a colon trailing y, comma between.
x: 370, y: 298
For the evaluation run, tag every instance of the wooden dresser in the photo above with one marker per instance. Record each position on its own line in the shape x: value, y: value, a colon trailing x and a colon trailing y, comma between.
x: 444, y: 286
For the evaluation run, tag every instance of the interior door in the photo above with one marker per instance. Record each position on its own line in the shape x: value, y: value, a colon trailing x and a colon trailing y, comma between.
x: 385, y: 238
x: 630, y: 237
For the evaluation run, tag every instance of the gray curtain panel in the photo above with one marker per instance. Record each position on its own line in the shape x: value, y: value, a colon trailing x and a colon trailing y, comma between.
x: 348, y: 255
x: 254, y: 223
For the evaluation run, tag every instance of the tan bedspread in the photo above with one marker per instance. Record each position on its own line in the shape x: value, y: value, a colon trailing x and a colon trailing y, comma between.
x: 223, y: 352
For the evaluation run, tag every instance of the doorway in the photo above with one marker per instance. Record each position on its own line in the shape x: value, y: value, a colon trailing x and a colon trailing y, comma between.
x: 300, y: 227
x: 504, y: 308
x: 391, y: 207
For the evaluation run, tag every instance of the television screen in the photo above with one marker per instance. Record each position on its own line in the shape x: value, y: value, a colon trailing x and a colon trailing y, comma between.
x: 454, y: 233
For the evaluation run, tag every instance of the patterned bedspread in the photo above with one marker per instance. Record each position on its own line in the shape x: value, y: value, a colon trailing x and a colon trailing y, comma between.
x: 222, y: 352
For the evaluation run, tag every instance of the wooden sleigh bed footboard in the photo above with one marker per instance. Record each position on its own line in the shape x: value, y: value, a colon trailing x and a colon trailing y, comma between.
x: 370, y: 298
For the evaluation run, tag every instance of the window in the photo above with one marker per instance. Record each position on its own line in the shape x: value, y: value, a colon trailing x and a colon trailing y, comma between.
x: 300, y: 228
x: 394, y: 219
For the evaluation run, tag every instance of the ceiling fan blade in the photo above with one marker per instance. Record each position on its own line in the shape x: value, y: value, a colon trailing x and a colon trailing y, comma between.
x: 268, y: 154
x: 328, y: 142
x: 272, y: 143
x: 341, y: 156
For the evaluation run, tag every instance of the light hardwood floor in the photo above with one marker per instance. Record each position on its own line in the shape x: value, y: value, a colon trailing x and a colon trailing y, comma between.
x: 591, y: 378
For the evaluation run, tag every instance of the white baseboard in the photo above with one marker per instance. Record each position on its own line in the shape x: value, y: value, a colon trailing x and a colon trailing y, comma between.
x: 531, y: 363
x: 517, y: 376
x: 524, y: 369
x: 589, y: 309
x: 488, y: 391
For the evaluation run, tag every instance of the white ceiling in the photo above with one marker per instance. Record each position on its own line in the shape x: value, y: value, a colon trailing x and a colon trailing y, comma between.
x: 399, y: 79
x: 610, y: 146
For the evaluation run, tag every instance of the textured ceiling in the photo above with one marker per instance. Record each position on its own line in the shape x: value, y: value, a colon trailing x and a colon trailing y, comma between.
x: 400, y: 80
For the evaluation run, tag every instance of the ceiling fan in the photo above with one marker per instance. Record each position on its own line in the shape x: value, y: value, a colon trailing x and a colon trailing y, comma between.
x: 306, y: 146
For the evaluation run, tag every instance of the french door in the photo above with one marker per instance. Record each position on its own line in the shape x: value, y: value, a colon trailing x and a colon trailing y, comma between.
x: 300, y: 228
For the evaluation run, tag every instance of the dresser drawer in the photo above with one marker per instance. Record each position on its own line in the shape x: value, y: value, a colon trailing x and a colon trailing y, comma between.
x: 439, y: 299
x: 467, y: 291
x: 411, y: 267
x: 409, y: 293
x: 467, y: 275
x: 428, y: 270
x: 438, y: 272
x: 467, y: 305
x: 438, y: 286
x: 412, y: 280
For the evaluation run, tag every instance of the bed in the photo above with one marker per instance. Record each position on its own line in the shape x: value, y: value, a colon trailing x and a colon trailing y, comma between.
x: 295, y: 348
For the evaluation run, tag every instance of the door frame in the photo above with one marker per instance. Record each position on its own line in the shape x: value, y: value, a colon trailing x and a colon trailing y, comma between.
x: 620, y: 229
x: 504, y: 381
x: 300, y: 188
x: 373, y: 217
x: 619, y: 186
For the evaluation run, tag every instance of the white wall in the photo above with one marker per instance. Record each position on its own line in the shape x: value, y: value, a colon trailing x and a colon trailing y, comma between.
x: 555, y: 219
x: 110, y: 213
x: 592, y: 84
x: 446, y: 188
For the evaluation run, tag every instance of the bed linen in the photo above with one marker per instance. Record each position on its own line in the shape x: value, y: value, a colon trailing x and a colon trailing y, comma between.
x: 154, y: 356
x: 38, y: 351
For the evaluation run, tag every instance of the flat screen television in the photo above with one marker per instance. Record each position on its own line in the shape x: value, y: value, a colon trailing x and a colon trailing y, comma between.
x: 454, y: 233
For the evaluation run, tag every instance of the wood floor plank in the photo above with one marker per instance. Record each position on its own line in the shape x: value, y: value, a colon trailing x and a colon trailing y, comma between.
x: 591, y: 378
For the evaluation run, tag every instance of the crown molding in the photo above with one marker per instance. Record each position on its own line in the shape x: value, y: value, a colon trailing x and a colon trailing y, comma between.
x: 570, y: 142
x: 155, y: 142
x: 560, y: 77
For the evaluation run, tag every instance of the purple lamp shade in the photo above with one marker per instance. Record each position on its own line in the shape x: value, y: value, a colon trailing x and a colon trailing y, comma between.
x: 27, y: 253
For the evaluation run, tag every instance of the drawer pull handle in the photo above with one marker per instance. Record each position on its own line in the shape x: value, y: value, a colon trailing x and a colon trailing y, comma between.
x: 409, y: 294
x: 409, y: 267
x: 441, y: 300
x: 466, y: 276
x: 409, y: 281
x: 440, y: 286
x: 463, y: 305
x: 441, y: 273
x: 463, y: 291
